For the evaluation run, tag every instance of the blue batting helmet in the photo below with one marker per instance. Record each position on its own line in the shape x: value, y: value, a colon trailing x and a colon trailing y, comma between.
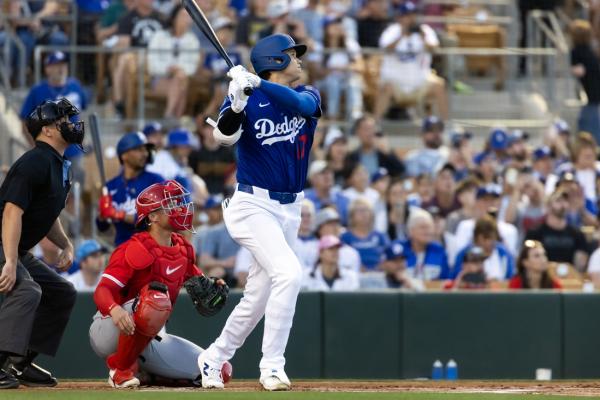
x: 131, y: 141
x: 269, y: 53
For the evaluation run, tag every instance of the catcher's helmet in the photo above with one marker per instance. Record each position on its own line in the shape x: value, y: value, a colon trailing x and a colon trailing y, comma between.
x: 172, y: 198
x: 134, y: 140
x: 269, y: 53
x: 49, y: 112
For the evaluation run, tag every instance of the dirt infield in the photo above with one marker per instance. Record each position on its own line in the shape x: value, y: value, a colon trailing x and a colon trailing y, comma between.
x: 565, y: 388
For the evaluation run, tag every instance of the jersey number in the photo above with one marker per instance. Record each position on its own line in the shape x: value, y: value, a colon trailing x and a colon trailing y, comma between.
x: 301, y: 146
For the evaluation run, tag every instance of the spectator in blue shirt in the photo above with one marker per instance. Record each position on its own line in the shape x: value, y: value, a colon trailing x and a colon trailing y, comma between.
x: 215, y: 248
x: 57, y: 85
x: 118, y: 205
x: 362, y: 236
x: 323, y: 193
x: 425, y: 259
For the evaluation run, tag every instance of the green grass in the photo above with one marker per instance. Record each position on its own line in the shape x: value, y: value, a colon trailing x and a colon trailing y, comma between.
x: 204, y: 395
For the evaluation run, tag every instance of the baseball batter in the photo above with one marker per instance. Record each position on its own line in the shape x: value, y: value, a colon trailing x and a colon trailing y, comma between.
x: 139, y: 287
x: 274, y: 129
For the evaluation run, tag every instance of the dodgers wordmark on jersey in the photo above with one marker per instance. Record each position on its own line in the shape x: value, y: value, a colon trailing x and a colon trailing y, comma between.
x: 275, y: 143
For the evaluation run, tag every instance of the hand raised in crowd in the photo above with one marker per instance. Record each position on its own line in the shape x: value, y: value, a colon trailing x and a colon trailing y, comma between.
x: 123, y: 320
x: 65, y: 258
x: 8, y: 277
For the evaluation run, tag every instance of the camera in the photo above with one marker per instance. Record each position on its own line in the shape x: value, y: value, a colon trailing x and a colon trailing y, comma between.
x: 414, y: 29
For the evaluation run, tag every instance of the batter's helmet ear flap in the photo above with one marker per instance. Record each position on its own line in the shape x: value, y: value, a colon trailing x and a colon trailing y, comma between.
x: 269, y: 53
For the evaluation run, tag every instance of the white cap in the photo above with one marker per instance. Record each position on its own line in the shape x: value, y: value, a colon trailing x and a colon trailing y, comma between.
x: 316, y: 167
x: 277, y: 8
x: 333, y: 133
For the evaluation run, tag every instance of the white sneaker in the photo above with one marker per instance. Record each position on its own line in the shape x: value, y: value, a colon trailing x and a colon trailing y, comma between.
x: 275, y: 380
x: 122, y: 380
x: 211, y: 376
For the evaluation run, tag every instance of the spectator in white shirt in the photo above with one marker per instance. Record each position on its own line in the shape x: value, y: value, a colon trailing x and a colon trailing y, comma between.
x: 488, y: 199
x: 327, y: 275
x: 406, y: 73
x: 306, y: 246
x: 327, y: 222
x: 91, y: 257
x: 173, y: 56
x: 433, y: 154
x: 359, y: 188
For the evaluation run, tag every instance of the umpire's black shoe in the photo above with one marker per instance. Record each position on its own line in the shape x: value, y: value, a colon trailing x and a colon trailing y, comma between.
x: 7, y: 380
x: 34, y: 376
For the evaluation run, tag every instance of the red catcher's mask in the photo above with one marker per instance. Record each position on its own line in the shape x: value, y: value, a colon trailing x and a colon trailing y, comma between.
x: 173, y: 199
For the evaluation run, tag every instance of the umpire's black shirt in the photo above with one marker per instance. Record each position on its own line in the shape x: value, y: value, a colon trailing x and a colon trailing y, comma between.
x: 38, y: 183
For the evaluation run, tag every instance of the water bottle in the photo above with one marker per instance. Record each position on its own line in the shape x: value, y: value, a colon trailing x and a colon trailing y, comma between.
x: 451, y: 370
x: 437, y: 371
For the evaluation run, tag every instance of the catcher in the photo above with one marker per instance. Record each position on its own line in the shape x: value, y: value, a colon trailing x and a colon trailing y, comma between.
x: 139, y: 288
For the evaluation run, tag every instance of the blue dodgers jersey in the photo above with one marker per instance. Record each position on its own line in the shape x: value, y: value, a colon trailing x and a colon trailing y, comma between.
x: 371, y: 248
x: 124, y: 192
x: 275, y: 143
x: 41, y: 92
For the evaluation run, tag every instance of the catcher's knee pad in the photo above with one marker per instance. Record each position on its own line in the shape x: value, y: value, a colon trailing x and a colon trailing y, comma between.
x: 152, y: 310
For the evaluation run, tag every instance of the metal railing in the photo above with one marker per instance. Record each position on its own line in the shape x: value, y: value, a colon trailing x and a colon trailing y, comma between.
x: 544, y: 30
x: 449, y: 52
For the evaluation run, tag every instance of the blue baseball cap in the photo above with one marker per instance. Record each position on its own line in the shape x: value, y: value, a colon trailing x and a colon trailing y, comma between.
x: 56, y: 57
x: 179, y: 137
x: 541, y: 152
x: 395, y: 250
x: 498, y: 139
x: 489, y: 190
x: 408, y: 7
x: 380, y: 173
x: 87, y: 248
x: 152, y: 128
x: 480, y: 157
x: 432, y: 124
x: 213, y: 201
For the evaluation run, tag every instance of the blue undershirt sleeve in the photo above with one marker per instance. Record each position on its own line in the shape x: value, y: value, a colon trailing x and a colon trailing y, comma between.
x: 304, y: 103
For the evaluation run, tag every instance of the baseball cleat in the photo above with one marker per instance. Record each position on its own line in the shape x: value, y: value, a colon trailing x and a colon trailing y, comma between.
x: 122, y: 379
x: 275, y: 380
x: 33, y: 375
x: 7, y: 380
x: 211, y: 376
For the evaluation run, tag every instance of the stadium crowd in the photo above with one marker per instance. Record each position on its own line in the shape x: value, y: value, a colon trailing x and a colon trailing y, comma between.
x: 515, y: 213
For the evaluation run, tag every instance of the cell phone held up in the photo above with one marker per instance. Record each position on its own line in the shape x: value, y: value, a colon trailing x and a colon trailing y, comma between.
x: 414, y: 29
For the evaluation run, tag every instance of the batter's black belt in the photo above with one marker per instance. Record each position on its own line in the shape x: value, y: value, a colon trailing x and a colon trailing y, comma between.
x: 281, y: 197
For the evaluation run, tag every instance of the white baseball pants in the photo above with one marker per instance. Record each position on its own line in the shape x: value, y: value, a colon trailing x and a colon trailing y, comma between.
x: 268, y: 230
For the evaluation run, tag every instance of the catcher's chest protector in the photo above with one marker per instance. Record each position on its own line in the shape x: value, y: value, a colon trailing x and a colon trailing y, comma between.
x: 170, y: 265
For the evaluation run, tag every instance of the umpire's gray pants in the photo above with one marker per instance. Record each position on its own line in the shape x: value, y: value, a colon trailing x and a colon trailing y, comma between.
x: 170, y: 357
x: 34, y: 314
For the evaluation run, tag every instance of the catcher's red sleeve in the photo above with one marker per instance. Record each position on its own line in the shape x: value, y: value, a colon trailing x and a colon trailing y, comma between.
x: 106, y: 297
x: 115, y: 277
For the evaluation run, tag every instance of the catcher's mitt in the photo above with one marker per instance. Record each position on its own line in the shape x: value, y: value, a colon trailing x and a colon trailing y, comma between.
x: 208, y: 296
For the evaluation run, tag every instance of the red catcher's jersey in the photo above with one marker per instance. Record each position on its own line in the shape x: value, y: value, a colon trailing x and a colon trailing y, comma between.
x: 140, y: 260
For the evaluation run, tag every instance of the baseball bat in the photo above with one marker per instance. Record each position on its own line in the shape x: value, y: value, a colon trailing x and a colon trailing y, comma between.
x: 95, y: 132
x: 202, y: 23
